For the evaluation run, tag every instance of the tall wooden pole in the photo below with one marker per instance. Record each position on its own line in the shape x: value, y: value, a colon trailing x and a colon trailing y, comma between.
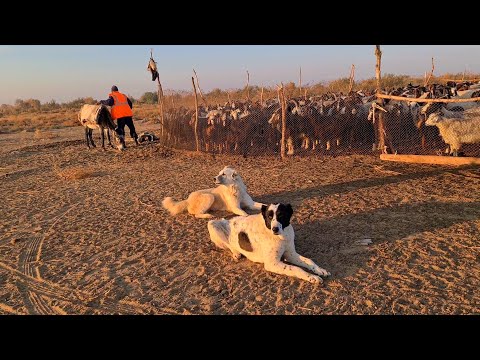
x: 248, y: 89
x: 300, y: 81
x: 161, y: 103
x: 281, y: 96
x: 429, y: 75
x: 160, y: 99
x: 261, y: 97
x: 196, y: 115
x: 199, y: 89
x: 381, y: 121
x: 352, y: 79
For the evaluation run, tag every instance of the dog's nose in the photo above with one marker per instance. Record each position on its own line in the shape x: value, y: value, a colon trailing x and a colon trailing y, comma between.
x: 275, y: 229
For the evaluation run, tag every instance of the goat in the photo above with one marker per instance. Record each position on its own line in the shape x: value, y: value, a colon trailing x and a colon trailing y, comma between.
x: 456, y: 129
x: 99, y: 117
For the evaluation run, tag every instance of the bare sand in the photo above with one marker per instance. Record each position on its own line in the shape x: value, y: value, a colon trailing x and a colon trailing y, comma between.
x: 83, y: 232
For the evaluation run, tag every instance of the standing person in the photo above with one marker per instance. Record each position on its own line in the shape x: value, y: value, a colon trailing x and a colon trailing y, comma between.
x: 121, y: 111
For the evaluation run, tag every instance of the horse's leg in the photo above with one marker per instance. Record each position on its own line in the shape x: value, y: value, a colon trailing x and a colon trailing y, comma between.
x: 86, y: 137
x: 108, y: 137
x: 90, y: 134
x: 102, y: 130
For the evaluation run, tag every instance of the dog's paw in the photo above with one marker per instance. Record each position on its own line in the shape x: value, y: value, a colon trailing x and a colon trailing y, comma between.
x: 204, y: 216
x: 315, y: 279
x: 241, y: 212
x: 322, y: 272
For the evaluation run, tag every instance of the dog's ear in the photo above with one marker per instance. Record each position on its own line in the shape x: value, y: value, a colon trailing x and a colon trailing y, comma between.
x: 264, y: 214
x: 264, y: 210
x: 289, y: 210
x: 234, y: 175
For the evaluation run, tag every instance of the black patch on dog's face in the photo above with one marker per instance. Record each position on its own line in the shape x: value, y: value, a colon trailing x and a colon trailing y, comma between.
x: 244, y: 241
x: 284, y: 214
x: 267, y: 216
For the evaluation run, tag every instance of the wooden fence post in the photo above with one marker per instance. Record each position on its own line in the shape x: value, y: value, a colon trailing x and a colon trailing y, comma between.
x: 300, y: 82
x: 381, y: 122
x: 248, y: 89
x: 281, y: 96
x: 196, y: 114
x: 199, y: 89
x: 352, y: 79
x: 162, y: 105
x: 427, y: 79
x: 160, y: 100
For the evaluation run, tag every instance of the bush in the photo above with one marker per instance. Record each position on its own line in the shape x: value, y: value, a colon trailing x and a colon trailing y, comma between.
x: 149, y: 98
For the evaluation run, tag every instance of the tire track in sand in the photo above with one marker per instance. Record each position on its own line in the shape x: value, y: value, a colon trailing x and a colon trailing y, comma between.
x: 37, y: 303
x: 47, y: 290
x: 38, y: 293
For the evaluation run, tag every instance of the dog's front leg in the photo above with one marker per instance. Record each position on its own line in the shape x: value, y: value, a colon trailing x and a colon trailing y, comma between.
x: 239, y: 211
x: 279, y: 267
x: 236, y: 209
x: 299, y: 260
x: 250, y: 204
x: 255, y: 205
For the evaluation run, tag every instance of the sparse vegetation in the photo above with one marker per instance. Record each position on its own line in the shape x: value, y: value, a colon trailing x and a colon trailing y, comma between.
x: 74, y: 173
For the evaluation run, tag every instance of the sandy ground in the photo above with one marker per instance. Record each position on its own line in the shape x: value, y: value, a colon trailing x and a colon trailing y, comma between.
x: 104, y: 245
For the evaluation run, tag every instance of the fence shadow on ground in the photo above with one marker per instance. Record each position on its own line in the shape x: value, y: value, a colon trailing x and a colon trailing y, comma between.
x: 331, y: 242
x: 298, y: 195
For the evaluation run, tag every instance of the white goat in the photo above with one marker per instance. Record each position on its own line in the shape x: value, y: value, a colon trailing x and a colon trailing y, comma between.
x: 456, y: 128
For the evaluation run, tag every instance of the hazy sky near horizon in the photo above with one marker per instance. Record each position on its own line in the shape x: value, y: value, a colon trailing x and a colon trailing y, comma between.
x: 67, y: 72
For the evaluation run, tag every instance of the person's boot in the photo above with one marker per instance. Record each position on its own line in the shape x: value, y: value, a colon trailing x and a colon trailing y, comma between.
x: 136, y: 140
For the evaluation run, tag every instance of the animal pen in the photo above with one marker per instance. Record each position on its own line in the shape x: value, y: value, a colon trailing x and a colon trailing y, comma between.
x: 389, y: 121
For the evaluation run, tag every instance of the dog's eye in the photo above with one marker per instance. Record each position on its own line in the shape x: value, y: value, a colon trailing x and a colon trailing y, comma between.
x: 270, y: 215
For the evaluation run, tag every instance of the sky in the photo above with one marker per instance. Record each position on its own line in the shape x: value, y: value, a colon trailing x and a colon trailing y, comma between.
x: 67, y: 72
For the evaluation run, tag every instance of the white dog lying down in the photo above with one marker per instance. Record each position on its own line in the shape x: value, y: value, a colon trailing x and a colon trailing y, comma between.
x: 230, y: 194
x: 265, y: 238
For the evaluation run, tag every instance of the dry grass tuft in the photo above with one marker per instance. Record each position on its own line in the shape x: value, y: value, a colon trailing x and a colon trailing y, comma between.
x: 41, y: 134
x: 74, y: 173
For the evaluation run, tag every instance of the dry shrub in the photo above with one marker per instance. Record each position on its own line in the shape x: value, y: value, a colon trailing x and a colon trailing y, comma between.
x: 39, y: 134
x: 74, y: 173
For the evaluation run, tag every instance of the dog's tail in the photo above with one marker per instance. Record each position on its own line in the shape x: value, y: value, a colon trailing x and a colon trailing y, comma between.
x: 173, y: 206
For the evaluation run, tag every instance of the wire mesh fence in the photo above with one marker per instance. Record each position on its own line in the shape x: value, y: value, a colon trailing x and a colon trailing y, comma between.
x: 333, y: 124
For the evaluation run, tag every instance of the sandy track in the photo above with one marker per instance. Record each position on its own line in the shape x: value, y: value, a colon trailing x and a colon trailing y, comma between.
x: 104, y: 245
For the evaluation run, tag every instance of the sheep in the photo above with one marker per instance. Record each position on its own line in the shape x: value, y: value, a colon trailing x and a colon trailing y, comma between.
x: 456, y: 129
x: 98, y: 116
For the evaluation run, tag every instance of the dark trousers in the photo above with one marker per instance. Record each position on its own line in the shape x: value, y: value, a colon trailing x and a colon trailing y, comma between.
x: 121, y: 122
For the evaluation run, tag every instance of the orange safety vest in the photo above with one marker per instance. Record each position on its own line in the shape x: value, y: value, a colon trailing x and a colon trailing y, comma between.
x: 120, y: 106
